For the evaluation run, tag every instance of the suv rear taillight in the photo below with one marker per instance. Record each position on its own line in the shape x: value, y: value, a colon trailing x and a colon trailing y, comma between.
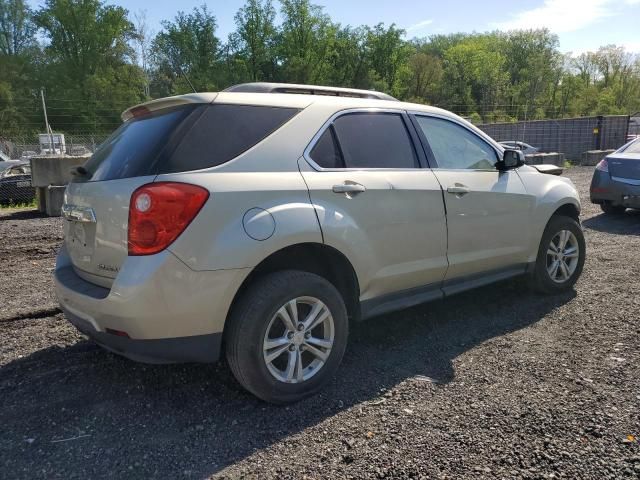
x: 159, y: 213
x: 603, y: 165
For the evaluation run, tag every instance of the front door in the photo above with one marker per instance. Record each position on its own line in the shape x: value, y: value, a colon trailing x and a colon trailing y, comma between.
x: 488, y: 211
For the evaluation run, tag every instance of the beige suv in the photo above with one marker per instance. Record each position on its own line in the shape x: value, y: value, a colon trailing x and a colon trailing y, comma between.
x: 260, y: 221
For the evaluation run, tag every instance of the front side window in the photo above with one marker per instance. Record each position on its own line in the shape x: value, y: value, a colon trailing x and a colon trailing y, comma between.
x: 455, y: 147
x: 366, y: 140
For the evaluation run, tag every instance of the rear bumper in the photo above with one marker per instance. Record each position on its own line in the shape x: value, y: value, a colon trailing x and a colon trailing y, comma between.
x: 169, y: 312
x: 197, y: 348
x: 606, y: 190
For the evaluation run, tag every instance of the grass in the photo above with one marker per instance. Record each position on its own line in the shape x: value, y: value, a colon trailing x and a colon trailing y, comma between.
x: 19, y: 205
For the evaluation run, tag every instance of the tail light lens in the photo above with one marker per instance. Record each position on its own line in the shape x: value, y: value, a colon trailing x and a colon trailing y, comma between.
x: 603, y: 165
x: 159, y: 213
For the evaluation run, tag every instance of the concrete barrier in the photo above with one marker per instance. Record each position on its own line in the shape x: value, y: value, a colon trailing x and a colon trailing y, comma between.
x: 545, y: 158
x: 54, y: 170
x: 50, y: 175
x: 54, y: 198
x: 592, y: 157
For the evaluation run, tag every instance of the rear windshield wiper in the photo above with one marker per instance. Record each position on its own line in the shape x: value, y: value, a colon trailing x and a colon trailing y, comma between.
x: 79, y: 171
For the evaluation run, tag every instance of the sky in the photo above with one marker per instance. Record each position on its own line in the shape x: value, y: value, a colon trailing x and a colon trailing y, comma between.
x: 582, y: 25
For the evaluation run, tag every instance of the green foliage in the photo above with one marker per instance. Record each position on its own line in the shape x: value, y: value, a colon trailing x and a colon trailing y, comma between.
x: 254, y: 40
x: 93, y: 63
x: 187, y: 45
x: 87, y: 62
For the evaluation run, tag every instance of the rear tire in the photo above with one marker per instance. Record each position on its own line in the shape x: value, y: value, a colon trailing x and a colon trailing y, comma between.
x: 276, y: 356
x: 610, y: 209
x: 561, y: 256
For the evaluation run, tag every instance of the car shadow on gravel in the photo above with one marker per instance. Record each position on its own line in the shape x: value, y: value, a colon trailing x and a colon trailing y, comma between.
x: 117, y: 417
x: 626, y: 224
x: 9, y: 214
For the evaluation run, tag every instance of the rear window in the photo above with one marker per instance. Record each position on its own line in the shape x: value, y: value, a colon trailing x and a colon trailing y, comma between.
x: 633, y: 147
x: 183, y: 138
x: 132, y: 150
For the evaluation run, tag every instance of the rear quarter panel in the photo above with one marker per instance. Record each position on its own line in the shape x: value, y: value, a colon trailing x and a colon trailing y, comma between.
x: 218, y: 237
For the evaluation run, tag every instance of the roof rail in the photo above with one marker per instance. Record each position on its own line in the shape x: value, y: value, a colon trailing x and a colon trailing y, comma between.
x: 265, y: 87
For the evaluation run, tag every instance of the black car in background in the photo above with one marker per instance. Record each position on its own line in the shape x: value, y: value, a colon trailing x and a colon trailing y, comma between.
x: 15, y: 182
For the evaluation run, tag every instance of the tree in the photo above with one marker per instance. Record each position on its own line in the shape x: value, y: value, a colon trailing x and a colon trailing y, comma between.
x: 19, y: 57
x: 388, y: 53
x: 187, y: 46
x: 424, y: 77
x: 255, y: 38
x: 347, y: 60
x: 89, y: 63
x: 142, y: 41
x: 475, y: 77
x: 304, y: 41
x: 17, y: 29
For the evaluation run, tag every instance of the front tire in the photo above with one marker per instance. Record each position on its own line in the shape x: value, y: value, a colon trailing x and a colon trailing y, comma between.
x: 286, y: 336
x: 561, y: 256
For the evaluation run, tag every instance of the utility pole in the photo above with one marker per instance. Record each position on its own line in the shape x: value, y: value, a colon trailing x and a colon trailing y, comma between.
x: 46, y: 120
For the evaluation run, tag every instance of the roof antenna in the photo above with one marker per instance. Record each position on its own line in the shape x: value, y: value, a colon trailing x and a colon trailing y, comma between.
x: 185, y: 77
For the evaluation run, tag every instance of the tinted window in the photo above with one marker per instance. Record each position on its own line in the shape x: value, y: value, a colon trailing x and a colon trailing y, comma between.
x: 222, y: 133
x: 456, y: 147
x: 133, y: 148
x: 326, y: 152
x: 182, y: 139
x: 375, y: 140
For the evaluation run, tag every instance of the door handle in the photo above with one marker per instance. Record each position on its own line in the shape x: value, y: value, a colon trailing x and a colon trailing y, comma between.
x: 458, y: 190
x: 348, y: 188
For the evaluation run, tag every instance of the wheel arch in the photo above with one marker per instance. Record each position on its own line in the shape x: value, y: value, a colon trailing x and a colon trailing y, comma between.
x: 317, y: 258
x: 567, y: 209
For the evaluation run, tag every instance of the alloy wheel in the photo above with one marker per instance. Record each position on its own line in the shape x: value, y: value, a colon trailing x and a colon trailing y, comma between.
x: 298, y: 340
x: 563, y: 255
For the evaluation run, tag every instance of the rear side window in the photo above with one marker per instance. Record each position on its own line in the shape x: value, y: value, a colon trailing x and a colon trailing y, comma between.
x: 222, y: 133
x: 374, y: 140
x: 183, y: 138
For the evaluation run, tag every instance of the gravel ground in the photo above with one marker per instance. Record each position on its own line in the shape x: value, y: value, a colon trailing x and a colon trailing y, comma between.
x: 494, y: 383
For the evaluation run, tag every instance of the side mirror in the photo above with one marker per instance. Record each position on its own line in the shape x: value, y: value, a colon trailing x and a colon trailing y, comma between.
x: 511, y: 159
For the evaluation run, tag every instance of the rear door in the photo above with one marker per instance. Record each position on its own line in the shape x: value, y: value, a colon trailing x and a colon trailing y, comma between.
x: 374, y: 201
x: 488, y: 211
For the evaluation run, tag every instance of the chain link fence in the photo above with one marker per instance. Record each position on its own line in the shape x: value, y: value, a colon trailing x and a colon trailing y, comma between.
x: 26, y: 146
x: 570, y: 136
